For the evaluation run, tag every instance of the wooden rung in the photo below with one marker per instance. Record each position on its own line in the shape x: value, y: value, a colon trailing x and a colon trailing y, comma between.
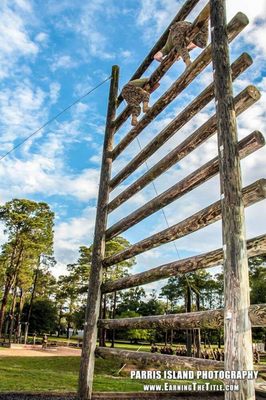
x: 181, y: 15
x: 167, y: 63
x: 235, y: 26
x: 246, y: 146
x: 211, y: 319
x: 159, y: 360
x: 242, y: 102
x: 251, y: 194
x: 255, y: 247
x: 239, y: 66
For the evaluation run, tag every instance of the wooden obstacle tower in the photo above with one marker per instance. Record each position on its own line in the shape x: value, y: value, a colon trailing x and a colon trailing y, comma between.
x: 238, y: 316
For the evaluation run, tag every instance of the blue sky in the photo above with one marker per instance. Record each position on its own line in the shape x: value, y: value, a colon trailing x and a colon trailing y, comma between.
x: 50, y: 54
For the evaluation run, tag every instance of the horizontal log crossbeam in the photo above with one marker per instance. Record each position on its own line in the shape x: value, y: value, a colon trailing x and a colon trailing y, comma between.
x: 246, y: 146
x: 255, y: 247
x: 251, y: 194
x: 238, y: 66
x: 181, y: 15
x: 235, y: 26
x: 159, y: 360
x: 242, y: 102
x: 211, y: 319
x: 167, y: 62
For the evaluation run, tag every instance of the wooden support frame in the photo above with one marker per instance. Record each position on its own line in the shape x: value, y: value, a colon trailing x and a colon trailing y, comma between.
x: 251, y: 194
x: 94, y: 291
x: 235, y: 26
x: 159, y: 360
x: 237, y: 325
x: 255, y: 247
x: 181, y: 15
x: 211, y: 319
x: 242, y: 102
x: 227, y: 163
x: 168, y: 62
x: 238, y: 66
x: 246, y: 146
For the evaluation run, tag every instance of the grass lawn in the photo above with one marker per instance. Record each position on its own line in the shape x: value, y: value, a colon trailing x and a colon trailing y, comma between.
x: 60, y: 374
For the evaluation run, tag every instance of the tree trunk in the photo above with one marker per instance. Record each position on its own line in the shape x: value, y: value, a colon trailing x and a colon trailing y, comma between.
x: 189, y: 332
x: 4, y: 303
x: 12, y: 313
x: 197, y: 331
x: 102, y: 338
x: 114, y: 312
x: 19, y: 313
x: 31, y: 301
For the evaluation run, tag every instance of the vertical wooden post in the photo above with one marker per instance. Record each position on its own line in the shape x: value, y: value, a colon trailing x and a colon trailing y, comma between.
x: 238, y: 336
x: 94, y: 292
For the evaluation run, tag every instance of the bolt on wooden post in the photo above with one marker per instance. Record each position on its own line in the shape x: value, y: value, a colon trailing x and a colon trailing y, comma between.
x: 238, y: 335
x: 98, y: 253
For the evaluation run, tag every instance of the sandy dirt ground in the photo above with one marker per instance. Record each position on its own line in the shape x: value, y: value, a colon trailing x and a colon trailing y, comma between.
x: 37, y: 351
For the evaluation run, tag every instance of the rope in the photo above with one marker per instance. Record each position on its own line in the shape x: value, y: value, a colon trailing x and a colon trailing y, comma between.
x: 54, y: 118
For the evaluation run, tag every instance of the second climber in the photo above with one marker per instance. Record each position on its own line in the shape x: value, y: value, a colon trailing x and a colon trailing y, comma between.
x: 134, y: 94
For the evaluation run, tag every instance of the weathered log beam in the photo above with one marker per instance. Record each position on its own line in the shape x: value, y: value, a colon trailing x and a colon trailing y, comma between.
x: 159, y: 360
x: 251, y: 194
x: 94, y: 290
x: 181, y: 15
x: 237, y: 327
x: 246, y: 146
x: 242, y: 102
x: 167, y: 62
x: 255, y: 247
x: 211, y: 319
x: 234, y: 28
x: 239, y: 66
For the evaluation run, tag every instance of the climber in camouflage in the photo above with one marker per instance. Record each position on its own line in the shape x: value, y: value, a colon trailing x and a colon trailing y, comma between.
x: 178, y: 38
x: 134, y: 94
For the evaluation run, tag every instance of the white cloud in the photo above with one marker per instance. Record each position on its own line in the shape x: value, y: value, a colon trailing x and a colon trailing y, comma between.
x: 24, y: 5
x: 71, y: 234
x: 64, y: 62
x: 54, y: 91
x: 15, y: 41
x: 21, y: 110
x: 96, y: 41
x: 41, y: 37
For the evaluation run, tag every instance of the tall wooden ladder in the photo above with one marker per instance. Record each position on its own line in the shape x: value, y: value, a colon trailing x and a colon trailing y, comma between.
x: 238, y: 316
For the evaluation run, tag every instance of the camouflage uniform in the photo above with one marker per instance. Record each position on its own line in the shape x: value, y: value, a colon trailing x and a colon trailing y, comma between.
x: 177, y: 38
x: 134, y: 95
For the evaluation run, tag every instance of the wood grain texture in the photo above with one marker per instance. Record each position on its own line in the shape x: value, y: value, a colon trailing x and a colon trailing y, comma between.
x: 242, y: 102
x: 237, y: 24
x: 255, y: 247
x: 167, y: 62
x: 181, y: 15
x: 94, y: 290
x: 246, y: 146
x: 251, y: 194
x: 239, y: 66
x: 211, y: 319
x: 237, y: 326
x: 156, y: 360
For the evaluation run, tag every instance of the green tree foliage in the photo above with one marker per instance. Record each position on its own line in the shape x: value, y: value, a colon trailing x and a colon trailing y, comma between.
x: 72, y: 288
x: 29, y: 231
x: 44, y: 316
x: 134, y: 335
x: 257, y: 268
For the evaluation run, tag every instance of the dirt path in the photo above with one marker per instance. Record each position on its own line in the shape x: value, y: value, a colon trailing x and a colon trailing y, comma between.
x: 37, y: 351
